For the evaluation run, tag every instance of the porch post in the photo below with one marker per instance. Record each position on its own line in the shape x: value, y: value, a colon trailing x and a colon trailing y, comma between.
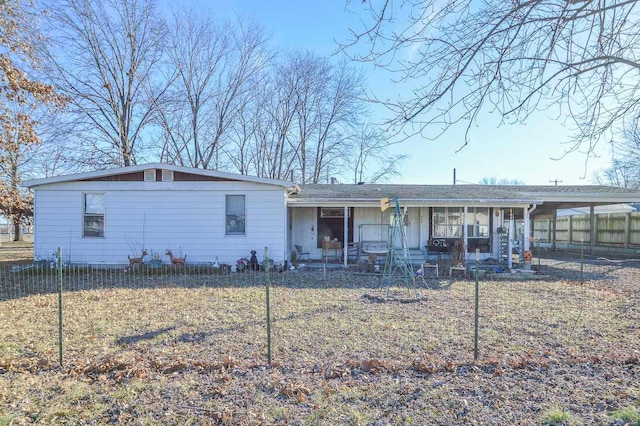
x: 465, y: 237
x: 512, y: 234
x: 592, y: 229
x: 345, y: 239
x: 553, y: 229
x: 527, y: 229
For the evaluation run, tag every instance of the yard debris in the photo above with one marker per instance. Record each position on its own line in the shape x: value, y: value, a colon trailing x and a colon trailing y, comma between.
x: 399, y: 299
x: 292, y: 389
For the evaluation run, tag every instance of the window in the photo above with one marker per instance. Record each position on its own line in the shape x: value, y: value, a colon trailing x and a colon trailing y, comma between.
x: 477, y: 222
x: 331, y: 224
x: 235, y: 215
x: 447, y: 222
x: 93, y: 217
x: 333, y: 212
x: 167, y: 175
x: 150, y: 175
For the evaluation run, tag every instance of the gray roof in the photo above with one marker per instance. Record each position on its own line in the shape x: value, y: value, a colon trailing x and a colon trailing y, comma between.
x: 454, y: 192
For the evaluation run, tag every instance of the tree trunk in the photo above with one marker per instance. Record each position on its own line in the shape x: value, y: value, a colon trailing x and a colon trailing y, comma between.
x: 17, y: 234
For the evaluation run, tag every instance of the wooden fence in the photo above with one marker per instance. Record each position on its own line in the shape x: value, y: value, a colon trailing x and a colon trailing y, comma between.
x: 614, y: 230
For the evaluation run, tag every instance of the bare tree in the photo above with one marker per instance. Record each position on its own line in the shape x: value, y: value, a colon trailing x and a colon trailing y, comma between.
x: 624, y: 171
x: 215, y: 69
x: 499, y: 181
x: 195, y: 55
x: 305, y: 114
x: 466, y: 57
x: 371, y: 161
x: 620, y: 174
x: 338, y: 116
x: 241, y: 148
x: 104, y: 56
x: 306, y: 120
x: 273, y: 157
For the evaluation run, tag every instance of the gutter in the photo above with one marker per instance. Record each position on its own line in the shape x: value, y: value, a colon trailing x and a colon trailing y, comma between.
x: 461, y: 201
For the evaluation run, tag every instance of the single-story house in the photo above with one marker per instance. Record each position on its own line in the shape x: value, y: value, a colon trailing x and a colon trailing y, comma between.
x: 103, y: 217
x: 107, y: 215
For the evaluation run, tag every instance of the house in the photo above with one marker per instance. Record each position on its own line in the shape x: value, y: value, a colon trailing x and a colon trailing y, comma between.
x: 104, y: 216
x: 495, y: 219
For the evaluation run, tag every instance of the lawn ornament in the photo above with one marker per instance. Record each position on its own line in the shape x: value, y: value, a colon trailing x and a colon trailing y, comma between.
x: 137, y: 260
x: 175, y: 260
x: 398, y: 258
x: 242, y: 264
x: 253, y: 262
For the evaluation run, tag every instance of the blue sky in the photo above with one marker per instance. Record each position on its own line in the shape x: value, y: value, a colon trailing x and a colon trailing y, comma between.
x: 524, y: 152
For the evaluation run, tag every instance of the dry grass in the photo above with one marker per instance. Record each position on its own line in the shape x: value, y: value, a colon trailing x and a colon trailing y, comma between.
x: 12, y: 252
x: 194, y: 354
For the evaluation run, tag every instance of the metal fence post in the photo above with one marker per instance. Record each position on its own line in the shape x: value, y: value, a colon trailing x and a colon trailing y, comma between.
x: 267, y: 279
x: 59, y: 264
x: 581, y: 261
x: 475, y: 334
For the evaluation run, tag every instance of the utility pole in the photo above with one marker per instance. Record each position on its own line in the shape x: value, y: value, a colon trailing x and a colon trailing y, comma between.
x: 454, y: 176
x: 556, y: 181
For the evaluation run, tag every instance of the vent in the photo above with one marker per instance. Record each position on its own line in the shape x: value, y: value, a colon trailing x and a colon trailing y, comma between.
x: 150, y: 175
x: 167, y: 175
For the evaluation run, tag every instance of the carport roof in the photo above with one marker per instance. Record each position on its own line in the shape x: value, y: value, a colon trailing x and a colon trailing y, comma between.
x: 547, y: 198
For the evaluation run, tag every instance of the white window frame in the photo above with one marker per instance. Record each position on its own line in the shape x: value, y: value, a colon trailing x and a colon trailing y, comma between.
x: 167, y: 175
x: 243, y: 216
x: 86, y: 215
x: 471, y: 219
x: 150, y: 175
x: 448, y: 227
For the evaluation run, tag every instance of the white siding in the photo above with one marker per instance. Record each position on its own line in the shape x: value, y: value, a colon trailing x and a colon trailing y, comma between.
x: 304, y: 232
x: 413, y: 230
x: 367, y: 216
x: 186, y: 217
x: 425, y: 220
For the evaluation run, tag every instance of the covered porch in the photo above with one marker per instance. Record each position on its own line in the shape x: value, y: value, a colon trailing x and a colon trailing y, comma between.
x: 342, y: 224
x: 351, y: 234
